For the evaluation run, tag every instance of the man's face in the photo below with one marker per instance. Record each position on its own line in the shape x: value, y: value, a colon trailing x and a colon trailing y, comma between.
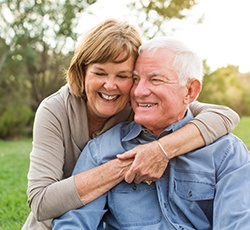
x: 156, y: 96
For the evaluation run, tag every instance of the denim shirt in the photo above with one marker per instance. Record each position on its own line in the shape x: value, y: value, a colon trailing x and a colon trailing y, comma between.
x: 208, y: 188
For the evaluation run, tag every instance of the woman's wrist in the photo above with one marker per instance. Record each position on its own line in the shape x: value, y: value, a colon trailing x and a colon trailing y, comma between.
x: 182, y: 141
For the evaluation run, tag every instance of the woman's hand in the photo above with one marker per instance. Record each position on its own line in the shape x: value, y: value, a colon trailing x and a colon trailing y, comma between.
x: 149, y: 163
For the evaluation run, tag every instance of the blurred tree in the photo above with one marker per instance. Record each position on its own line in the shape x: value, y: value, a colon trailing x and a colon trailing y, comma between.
x: 153, y: 15
x: 245, y: 81
x: 34, y: 45
x: 226, y: 86
x: 38, y: 35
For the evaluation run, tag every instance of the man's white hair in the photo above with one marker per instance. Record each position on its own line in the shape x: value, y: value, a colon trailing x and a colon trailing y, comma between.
x: 187, y: 64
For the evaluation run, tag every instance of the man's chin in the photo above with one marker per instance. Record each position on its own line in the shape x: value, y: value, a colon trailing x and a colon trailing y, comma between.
x: 141, y: 119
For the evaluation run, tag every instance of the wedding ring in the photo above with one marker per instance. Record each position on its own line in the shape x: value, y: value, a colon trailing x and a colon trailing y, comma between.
x: 149, y: 182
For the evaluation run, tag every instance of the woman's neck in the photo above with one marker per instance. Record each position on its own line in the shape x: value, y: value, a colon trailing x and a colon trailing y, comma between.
x: 95, y: 123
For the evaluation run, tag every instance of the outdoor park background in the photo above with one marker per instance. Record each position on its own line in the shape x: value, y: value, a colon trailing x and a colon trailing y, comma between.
x: 37, y: 39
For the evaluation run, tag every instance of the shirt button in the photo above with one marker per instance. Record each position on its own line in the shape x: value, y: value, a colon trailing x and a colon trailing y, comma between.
x: 165, y: 205
x: 134, y: 187
x: 190, y: 194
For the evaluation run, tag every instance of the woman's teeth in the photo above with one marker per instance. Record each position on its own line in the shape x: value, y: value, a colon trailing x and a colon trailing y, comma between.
x: 108, y: 97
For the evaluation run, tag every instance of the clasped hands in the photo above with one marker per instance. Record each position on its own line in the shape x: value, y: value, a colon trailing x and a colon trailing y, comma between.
x: 148, y: 165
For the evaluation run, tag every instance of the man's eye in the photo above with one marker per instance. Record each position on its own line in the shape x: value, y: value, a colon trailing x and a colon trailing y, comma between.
x: 157, y: 81
x: 135, y: 79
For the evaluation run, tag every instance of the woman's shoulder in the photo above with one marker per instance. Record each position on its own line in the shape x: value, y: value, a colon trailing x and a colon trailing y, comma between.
x: 59, y: 96
x: 62, y: 99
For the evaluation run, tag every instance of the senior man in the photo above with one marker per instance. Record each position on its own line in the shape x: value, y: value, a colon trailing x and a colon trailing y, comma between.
x: 208, y: 188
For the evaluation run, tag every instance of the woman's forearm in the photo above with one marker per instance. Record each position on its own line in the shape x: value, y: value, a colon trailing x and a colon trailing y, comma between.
x: 93, y: 183
x: 210, y: 123
x: 182, y: 141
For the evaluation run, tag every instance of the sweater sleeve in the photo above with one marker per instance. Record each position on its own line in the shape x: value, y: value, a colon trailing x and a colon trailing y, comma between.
x: 213, y: 121
x: 51, y: 189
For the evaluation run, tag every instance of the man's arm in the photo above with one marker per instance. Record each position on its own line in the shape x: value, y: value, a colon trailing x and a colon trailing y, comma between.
x: 90, y: 215
x: 232, y: 198
x: 87, y: 217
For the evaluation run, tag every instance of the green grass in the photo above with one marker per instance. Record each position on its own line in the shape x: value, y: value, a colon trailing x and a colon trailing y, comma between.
x: 243, y: 131
x: 14, y: 163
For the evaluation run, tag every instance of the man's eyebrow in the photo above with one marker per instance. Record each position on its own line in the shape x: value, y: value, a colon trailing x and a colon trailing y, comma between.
x: 135, y: 73
x: 155, y: 73
x: 152, y: 74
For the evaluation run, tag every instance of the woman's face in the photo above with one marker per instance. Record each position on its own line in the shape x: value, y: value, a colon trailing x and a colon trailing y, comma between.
x: 107, y: 87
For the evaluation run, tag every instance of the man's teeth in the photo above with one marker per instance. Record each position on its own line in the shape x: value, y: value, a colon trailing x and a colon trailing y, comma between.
x: 146, y: 105
x: 108, y: 97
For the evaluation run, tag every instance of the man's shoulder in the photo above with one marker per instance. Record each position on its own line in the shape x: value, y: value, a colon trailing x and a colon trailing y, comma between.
x: 118, y: 131
x: 230, y: 140
x: 229, y: 148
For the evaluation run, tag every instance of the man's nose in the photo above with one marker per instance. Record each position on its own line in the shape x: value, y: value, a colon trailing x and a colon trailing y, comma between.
x: 141, y: 89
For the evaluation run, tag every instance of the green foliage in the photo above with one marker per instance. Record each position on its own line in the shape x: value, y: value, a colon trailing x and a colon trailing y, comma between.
x: 228, y: 87
x: 14, y: 119
x: 33, y: 57
x: 34, y: 45
x: 14, y: 161
x: 30, y: 31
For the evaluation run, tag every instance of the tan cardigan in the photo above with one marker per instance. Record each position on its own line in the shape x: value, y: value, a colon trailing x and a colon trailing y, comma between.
x: 61, y: 132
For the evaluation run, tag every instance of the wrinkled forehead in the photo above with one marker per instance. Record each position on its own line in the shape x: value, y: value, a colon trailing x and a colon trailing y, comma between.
x: 154, y: 63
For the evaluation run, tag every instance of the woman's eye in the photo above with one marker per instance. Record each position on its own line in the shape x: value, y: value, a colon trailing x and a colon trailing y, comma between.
x: 122, y: 76
x: 99, y: 74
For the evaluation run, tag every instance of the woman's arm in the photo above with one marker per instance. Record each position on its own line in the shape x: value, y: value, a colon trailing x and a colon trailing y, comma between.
x: 210, y: 123
x: 52, y: 190
x: 95, y: 182
x: 213, y: 121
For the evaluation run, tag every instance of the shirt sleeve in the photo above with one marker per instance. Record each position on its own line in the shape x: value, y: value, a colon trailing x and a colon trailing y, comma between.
x: 232, y: 198
x: 213, y: 121
x: 88, y: 216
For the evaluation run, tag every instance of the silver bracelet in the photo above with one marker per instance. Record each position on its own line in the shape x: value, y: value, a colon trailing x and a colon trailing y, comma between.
x: 163, y: 150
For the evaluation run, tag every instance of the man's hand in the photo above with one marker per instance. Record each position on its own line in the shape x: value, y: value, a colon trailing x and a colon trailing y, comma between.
x: 149, y: 163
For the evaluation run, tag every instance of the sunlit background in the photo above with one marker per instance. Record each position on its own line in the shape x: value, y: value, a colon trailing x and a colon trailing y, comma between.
x: 37, y: 40
x: 222, y: 36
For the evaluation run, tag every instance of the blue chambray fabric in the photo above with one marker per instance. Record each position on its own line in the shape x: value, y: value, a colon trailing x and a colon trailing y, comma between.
x: 205, y: 189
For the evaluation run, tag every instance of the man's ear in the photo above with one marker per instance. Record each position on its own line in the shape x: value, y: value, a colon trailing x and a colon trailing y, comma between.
x: 194, y: 87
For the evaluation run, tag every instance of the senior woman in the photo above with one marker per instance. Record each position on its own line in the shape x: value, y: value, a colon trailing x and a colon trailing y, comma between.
x: 95, y: 99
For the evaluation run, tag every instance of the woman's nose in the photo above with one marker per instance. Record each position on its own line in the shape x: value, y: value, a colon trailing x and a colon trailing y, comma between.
x: 110, y: 83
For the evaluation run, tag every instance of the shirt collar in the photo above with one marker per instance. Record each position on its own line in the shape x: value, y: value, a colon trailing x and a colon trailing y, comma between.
x: 136, y: 129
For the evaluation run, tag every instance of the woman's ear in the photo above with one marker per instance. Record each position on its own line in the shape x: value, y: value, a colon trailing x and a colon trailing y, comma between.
x: 194, y: 87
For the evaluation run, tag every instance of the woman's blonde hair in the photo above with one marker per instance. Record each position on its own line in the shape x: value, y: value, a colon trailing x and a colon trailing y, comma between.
x: 104, y: 43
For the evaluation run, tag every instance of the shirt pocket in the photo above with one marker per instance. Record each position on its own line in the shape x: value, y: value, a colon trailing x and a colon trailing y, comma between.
x: 135, y: 204
x: 194, y: 186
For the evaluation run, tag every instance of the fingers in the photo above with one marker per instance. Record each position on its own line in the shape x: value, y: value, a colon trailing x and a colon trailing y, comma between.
x: 130, y: 176
x: 148, y: 163
x: 126, y: 155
